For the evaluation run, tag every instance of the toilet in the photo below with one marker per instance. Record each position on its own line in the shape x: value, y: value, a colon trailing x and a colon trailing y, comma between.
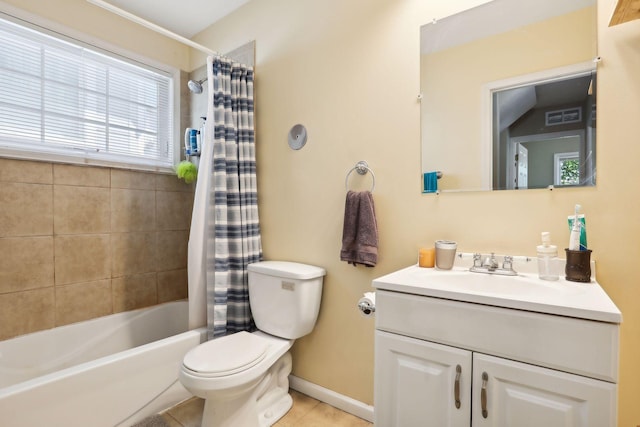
x: 243, y: 377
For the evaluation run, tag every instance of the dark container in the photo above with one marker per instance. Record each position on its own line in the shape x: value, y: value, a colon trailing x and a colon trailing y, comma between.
x: 578, y: 267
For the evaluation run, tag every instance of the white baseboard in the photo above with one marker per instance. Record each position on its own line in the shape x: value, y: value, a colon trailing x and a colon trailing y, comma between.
x: 337, y: 400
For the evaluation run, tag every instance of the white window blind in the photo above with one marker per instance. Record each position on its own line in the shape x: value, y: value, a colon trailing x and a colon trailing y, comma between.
x: 66, y: 99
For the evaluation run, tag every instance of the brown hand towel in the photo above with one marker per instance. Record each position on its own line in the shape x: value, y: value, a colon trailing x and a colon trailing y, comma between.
x: 360, y: 230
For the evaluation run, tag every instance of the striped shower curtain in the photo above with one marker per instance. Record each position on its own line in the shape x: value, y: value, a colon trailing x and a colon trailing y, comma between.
x: 234, y: 241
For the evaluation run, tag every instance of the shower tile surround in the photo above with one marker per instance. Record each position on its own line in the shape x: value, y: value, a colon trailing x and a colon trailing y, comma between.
x: 79, y: 242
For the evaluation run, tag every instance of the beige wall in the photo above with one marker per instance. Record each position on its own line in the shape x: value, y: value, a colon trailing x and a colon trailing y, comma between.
x: 349, y: 71
x: 81, y: 242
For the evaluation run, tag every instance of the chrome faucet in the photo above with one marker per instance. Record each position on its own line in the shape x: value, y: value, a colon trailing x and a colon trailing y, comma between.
x: 490, y: 265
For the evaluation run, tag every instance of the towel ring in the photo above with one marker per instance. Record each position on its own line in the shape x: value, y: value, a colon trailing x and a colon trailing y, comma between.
x: 362, y: 168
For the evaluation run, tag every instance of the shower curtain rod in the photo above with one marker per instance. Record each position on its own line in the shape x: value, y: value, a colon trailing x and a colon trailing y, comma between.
x: 131, y: 17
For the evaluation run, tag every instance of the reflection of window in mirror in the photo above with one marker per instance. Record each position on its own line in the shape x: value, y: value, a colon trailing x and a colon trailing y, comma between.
x: 567, y: 168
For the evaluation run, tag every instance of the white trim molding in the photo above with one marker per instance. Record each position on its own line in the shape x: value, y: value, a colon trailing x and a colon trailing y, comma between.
x: 337, y: 400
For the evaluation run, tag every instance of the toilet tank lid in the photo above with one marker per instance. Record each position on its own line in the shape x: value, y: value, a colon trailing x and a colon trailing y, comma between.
x: 287, y: 269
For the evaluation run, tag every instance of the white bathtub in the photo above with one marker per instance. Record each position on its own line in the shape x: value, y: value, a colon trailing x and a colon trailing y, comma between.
x: 110, y: 371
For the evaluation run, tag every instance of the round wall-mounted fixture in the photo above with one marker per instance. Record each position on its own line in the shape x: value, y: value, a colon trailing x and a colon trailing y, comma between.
x: 195, y: 86
x: 297, y: 137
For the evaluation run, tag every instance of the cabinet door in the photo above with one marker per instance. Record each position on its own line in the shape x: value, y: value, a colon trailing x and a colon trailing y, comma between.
x: 521, y: 395
x: 417, y: 383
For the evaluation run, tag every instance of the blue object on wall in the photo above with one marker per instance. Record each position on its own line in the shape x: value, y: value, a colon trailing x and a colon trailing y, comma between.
x: 430, y: 182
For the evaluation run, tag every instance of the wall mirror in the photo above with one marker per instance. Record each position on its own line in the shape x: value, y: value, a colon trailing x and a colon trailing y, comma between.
x: 509, y: 96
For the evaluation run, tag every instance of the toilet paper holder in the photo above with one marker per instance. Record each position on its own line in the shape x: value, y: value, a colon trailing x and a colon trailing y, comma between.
x: 367, y: 304
x: 366, y: 308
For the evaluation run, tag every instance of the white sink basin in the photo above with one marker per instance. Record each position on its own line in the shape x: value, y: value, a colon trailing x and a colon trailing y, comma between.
x: 525, y: 291
x: 493, y: 284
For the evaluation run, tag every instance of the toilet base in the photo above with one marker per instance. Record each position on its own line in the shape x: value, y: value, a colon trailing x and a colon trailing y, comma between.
x: 262, y: 406
x: 280, y: 402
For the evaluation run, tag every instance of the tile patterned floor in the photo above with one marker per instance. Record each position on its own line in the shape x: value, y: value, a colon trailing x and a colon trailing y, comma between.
x: 306, y: 412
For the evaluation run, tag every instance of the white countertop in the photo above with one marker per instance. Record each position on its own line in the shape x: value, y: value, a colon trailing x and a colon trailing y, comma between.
x: 524, y: 292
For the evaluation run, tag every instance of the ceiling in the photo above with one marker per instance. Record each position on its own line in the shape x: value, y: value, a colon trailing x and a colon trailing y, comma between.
x: 515, y: 103
x: 569, y: 91
x: 183, y: 17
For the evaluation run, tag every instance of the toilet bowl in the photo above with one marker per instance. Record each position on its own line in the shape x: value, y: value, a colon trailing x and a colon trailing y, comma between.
x: 244, y: 377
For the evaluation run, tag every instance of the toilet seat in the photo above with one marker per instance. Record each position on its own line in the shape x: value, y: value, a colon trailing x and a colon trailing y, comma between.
x: 226, y: 356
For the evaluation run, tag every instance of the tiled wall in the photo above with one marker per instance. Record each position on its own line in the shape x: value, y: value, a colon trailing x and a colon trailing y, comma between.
x: 81, y: 242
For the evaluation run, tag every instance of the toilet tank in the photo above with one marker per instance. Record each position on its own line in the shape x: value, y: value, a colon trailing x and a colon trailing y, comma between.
x: 285, y: 297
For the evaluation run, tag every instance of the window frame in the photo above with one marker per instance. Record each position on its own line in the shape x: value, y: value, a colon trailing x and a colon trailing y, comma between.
x: 74, y: 156
x: 558, y: 159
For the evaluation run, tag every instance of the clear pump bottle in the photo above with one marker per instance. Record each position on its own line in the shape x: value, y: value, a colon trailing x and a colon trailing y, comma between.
x: 547, y: 258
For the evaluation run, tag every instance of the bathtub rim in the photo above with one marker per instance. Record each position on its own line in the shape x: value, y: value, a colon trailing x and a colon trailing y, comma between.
x: 87, y: 366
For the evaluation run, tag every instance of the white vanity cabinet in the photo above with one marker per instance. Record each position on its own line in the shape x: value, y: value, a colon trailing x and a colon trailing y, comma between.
x: 453, y: 361
x: 419, y: 383
x: 519, y: 394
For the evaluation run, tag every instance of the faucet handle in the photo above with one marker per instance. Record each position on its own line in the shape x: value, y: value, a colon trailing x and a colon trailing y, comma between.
x: 477, y: 259
x: 507, y: 264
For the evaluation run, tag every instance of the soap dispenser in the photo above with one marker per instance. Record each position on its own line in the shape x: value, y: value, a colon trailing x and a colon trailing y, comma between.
x: 547, y: 258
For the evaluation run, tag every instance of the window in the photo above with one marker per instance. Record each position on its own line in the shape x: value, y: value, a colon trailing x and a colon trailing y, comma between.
x: 567, y: 169
x: 561, y: 117
x: 60, y: 99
